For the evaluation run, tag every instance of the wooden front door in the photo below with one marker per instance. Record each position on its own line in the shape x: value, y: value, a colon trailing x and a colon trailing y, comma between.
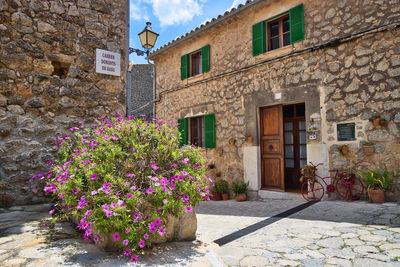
x: 294, y: 125
x: 272, y: 145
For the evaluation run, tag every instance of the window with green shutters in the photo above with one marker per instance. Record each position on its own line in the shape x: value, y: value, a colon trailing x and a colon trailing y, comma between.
x: 281, y: 30
x: 195, y: 62
x: 201, y: 135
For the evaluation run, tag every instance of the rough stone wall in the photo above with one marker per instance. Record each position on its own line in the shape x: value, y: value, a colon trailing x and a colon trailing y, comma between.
x: 342, y: 82
x: 231, y: 41
x: 141, y: 90
x: 48, y: 81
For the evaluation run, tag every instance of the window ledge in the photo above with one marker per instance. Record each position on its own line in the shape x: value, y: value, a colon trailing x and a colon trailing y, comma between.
x: 282, y: 51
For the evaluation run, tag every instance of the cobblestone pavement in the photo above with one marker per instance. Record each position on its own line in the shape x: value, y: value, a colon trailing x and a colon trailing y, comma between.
x: 329, y: 233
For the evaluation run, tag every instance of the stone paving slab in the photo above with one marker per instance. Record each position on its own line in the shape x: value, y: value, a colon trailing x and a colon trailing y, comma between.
x: 326, y: 234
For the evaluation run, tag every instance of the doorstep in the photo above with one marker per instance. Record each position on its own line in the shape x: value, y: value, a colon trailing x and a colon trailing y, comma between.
x: 265, y: 194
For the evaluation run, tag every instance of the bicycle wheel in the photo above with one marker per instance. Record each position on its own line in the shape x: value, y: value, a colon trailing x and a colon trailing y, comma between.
x: 312, y: 191
x: 351, y: 188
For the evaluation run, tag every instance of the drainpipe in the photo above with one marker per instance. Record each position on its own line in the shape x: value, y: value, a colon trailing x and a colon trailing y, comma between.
x: 127, y: 83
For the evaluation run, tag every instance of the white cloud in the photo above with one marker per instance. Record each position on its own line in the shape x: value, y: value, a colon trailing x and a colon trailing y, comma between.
x: 236, y: 3
x: 137, y: 11
x: 170, y: 12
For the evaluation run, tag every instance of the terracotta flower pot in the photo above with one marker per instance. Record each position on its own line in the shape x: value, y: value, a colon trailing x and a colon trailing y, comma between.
x: 376, y: 196
x: 241, y: 197
x: 216, y: 196
x: 225, y: 196
x: 368, y: 150
x: 377, y: 122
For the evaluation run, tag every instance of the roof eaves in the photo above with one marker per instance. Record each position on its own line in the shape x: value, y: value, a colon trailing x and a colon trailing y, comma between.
x: 205, y: 26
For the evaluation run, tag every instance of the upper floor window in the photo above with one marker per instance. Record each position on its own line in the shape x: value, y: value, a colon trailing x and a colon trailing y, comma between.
x: 278, y: 31
x: 195, y: 58
x: 195, y: 62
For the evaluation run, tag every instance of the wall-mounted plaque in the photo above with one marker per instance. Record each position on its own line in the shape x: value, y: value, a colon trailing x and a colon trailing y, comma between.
x: 108, y: 62
x: 346, y: 131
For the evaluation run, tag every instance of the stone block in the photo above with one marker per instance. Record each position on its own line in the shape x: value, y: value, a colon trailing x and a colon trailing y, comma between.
x: 45, y: 27
x: 22, y: 19
x: 16, y: 109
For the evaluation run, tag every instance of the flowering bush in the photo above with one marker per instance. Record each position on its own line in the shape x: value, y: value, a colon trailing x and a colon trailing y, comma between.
x: 122, y: 177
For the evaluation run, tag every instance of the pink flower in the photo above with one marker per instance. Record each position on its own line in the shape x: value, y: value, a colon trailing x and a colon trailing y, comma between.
x: 52, y: 211
x: 125, y: 242
x: 105, y: 207
x: 188, y: 209
x: 149, y: 190
x: 88, y: 212
x: 127, y: 252
x: 127, y: 231
x: 154, y: 166
x: 94, y: 192
x: 184, y: 173
x: 96, y: 238
x: 129, y: 195
x: 106, y: 137
x: 116, y: 236
x: 133, y: 188
x: 74, y: 191
x: 93, y: 176
x: 141, y: 243
x: 109, y: 214
x: 134, y: 258
x: 146, y: 236
x: 136, y: 215
x: 161, y: 231
x: 130, y: 175
x: 61, y: 196
x: 164, y: 201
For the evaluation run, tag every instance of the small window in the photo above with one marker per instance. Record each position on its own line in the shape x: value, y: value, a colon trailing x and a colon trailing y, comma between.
x: 278, y: 32
x: 195, y: 59
x: 195, y: 63
x: 196, y: 133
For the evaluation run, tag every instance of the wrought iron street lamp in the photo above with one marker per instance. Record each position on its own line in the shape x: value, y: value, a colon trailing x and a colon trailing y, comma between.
x: 148, y: 38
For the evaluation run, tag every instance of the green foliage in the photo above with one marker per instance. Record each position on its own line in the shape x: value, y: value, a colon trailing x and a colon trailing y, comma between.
x: 367, y: 143
x: 222, y: 186
x: 377, y: 179
x: 240, y: 188
x: 123, y: 177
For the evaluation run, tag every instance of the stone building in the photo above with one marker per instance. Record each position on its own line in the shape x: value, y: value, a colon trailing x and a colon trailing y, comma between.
x: 140, y: 90
x: 48, y: 79
x: 272, y: 85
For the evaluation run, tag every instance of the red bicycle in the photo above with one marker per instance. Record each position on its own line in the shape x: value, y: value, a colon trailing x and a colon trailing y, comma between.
x: 311, y: 189
x: 347, y: 185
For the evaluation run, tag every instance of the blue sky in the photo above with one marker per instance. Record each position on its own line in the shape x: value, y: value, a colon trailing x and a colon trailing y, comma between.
x: 172, y: 18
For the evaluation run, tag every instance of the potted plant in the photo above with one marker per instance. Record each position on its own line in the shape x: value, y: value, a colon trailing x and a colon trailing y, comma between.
x: 377, y: 181
x: 343, y: 150
x: 240, y: 189
x: 216, y: 196
x: 222, y: 187
x: 368, y: 148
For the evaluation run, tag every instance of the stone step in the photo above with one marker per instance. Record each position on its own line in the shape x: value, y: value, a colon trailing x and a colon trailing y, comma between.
x: 280, y: 195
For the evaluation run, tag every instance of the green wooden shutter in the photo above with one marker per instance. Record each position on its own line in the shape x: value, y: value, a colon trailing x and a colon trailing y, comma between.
x: 183, y: 129
x: 185, y: 66
x: 205, y: 58
x: 259, y: 38
x: 296, y: 17
x: 209, y: 130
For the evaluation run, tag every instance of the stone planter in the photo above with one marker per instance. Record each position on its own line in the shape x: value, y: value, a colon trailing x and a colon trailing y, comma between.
x: 177, y: 229
x: 376, y: 196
